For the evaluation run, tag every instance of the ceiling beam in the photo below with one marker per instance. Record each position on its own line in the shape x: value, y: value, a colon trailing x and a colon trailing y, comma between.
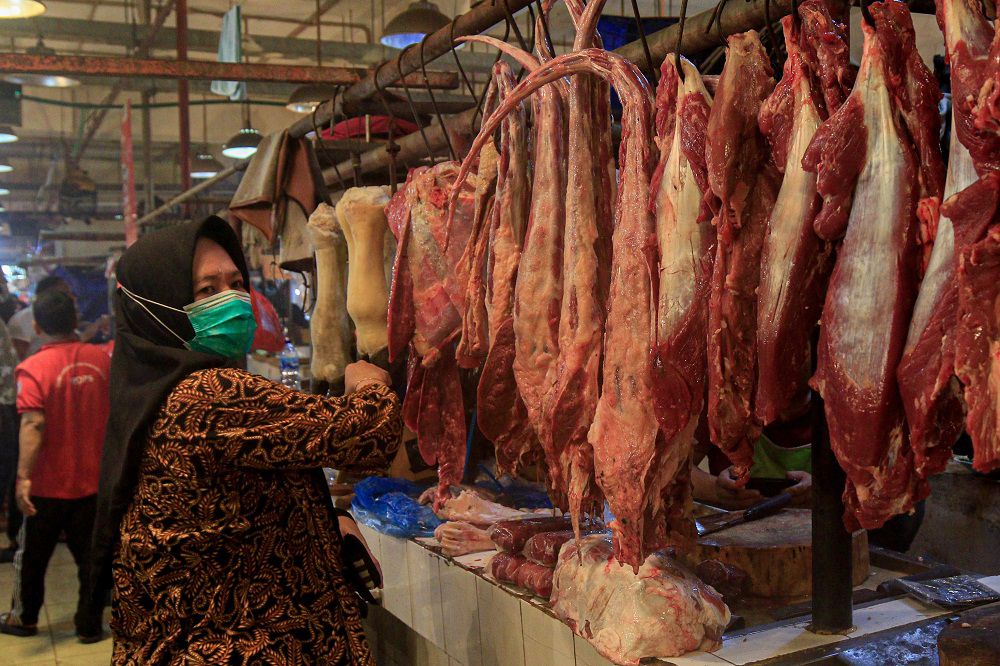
x: 207, y: 41
x: 200, y: 69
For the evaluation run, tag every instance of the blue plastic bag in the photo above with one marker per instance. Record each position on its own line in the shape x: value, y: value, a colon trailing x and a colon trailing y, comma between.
x: 390, y: 506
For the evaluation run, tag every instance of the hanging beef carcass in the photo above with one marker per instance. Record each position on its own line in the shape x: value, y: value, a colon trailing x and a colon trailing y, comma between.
x: 875, y: 160
x: 795, y: 262
x: 932, y: 395
x: 361, y: 212
x: 977, y: 353
x: 329, y: 326
x: 742, y: 175
x: 686, y: 243
x: 427, y: 299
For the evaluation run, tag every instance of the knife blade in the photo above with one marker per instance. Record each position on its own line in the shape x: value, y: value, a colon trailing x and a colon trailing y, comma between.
x: 762, y: 509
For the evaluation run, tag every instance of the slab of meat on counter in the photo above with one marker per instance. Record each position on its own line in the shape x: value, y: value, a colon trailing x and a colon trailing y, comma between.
x: 517, y: 571
x: 459, y: 538
x: 511, y: 535
x: 543, y: 548
x: 977, y: 353
x: 663, y: 611
x: 728, y: 580
x: 471, y: 507
x: 875, y: 160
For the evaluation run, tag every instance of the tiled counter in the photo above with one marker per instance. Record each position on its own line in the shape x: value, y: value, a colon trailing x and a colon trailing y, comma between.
x: 437, y: 611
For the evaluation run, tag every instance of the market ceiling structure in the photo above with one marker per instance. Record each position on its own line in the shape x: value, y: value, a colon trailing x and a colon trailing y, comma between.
x: 281, y: 45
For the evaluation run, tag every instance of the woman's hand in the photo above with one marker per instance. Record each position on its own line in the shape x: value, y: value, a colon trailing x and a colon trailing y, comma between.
x: 348, y: 526
x: 362, y: 372
x: 731, y: 494
x: 801, y: 492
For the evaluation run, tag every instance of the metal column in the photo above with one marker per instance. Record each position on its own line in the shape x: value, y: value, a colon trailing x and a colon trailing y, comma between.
x: 183, y: 102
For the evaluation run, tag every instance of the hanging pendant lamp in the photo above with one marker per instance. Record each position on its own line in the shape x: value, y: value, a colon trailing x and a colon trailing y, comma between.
x: 306, y: 97
x: 413, y: 24
x: 243, y: 144
x: 5, y: 166
x: 41, y: 80
x: 15, y: 9
x: 7, y: 134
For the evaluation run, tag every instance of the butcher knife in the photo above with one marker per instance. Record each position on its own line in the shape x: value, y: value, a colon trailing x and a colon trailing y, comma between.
x: 762, y: 509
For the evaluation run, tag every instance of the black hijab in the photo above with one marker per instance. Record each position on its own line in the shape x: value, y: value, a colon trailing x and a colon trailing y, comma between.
x: 149, y: 361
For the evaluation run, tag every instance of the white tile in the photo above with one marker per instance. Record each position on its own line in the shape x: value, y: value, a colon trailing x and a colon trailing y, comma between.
x: 586, y: 655
x: 546, y: 639
x: 770, y: 643
x: 475, y: 560
x: 396, y: 590
x: 374, y: 541
x: 499, y: 626
x: 696, y: 659
x: 460, y: 608
x: 428, y: 654
x: 425, y: 593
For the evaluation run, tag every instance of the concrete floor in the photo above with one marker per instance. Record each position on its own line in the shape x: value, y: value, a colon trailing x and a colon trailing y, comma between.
x: 56, y: 641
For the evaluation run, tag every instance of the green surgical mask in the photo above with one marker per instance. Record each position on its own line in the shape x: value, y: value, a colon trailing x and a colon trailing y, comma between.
x: 223, y: 323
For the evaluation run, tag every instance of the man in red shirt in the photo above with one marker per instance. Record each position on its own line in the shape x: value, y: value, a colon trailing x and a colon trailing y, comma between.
x: 62, y: 396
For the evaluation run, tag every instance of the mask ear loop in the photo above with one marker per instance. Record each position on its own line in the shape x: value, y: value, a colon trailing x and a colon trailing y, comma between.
x: 138, y: 301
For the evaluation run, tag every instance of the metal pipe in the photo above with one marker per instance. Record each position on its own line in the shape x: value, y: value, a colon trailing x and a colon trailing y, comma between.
x: 87, y: 236
x: 147, y: 126
x: 832, y: 575
x: 201, y: 69
x: 183, y: 111
x: 95, y: 121
x: 150, y: 217
x: 475, y: 21
x: 326, y: 23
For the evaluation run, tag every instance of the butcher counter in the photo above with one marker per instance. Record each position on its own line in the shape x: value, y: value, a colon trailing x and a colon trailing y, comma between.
x: 442, y: 611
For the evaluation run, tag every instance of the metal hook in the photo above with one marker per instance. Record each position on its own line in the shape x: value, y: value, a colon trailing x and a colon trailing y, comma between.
x: 486, y: 89
x: 458, y: 61
x: 319, y: 137
x: 716, y: 18
x: 645, y: 44
x: 866, y: 13
x: 513, y: 23
x: 543, y: 15
x: 437, y: 111
x: 390, y: 147
x: 680, y: 40
x: 409, y: 99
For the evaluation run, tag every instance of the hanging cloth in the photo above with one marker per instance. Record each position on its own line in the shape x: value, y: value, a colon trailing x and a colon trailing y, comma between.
x: 231, y: 50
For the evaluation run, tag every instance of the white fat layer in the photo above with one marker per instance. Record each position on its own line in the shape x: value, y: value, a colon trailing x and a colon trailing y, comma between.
x: 869, y: 263
x: 941, y: 268
x: 679, y: 234
x: 798, y: 190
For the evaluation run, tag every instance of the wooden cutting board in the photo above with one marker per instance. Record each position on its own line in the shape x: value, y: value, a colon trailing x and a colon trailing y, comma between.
x: 776, y: 553
x: 973, y: 639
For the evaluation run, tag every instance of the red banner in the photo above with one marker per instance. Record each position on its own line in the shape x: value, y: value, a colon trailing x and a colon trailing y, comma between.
x: 130, y: 208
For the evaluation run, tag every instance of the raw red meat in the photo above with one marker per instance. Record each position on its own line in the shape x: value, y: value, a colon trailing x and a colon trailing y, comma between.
x: 401, y: 316
x: 977, y: 348
x: 535, y: 578
x: 874, y: 283
x: 663, y: 611
x: 503, y: 566
x: 742, y: 175
x: 682, y: 202
x: 975, y: 81
x: 795, y: 262
x: 726, y: 579
x: 543, y: 548
x: 511, y: 535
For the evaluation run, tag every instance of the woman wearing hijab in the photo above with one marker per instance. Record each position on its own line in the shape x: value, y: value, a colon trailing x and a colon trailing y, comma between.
x: 213, y: 508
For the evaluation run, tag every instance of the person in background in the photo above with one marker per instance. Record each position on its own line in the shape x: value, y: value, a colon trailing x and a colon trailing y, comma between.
x: 9, y: 306
x: 27, y: 339
x: 62, y: 396
x: 214, y: 516
x: 9, y: 425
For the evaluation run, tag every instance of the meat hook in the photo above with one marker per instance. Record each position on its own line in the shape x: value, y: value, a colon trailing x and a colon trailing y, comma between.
x: 356, y: 159
x: 513, y: 23
x: 645, y: 44
x: 680, y: 40
x: 716, y: 18
x: 437, y: 111
x: 319, y: 135
x: 544, y: 16
x: 409, y: 99
x: 458, y: 61
x: 866, y: 13
x: 482, y: 98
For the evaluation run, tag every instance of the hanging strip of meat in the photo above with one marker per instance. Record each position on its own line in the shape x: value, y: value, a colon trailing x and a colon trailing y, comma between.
x: 795, y: 262
x: 932, y: 395
x: 742, y: 175
x: 870, y: 150
x: 977, y: 355
x: 686, y: 243
x: 975, y: 79
x: 580, y: 325
x: 401, y: 320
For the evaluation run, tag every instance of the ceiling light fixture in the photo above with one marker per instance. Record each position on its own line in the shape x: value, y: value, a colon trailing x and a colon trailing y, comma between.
x: 308, y: 96
x: 243, y: 144
x: 4, y: 191
x: 413, y: 24
x: 7, y: 134
x: 205, y: 166
x: 5, y: 167
x: 14, y: 9
x: 42, y: 80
